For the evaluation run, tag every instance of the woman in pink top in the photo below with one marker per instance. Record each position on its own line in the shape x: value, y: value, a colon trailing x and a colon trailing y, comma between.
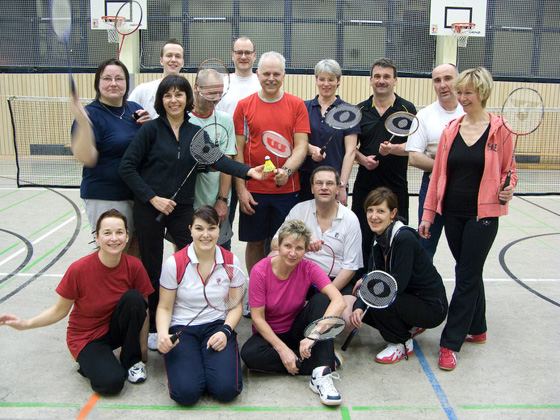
x: 277, y: 289
x: 466, y: 187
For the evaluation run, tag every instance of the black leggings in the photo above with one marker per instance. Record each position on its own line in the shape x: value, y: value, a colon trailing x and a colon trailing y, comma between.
x: 97, y: 360
x: 258, y: 354
x: 470, y: 241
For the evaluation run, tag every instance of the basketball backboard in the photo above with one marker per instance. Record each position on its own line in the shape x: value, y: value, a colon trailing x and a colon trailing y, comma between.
x: 445, y: 12
x: 129, y: 9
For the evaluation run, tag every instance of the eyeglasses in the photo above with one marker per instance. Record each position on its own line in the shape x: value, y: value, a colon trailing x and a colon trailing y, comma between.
x: 329, y: 184
x: 108, y: 79
x: 241, y: 53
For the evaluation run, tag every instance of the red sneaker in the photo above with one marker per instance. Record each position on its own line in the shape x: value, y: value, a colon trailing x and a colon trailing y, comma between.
x: 414, y: 331
x: 447, y: 359
x: 476, y: 338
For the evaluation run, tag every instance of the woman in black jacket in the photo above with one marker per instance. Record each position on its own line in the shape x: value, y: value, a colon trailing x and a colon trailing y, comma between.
x: 421, y: 300
x: 154, y: 166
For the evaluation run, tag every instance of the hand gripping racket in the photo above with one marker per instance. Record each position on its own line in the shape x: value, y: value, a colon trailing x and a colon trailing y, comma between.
x: 222, y: 292
x: 342, y: 117
x: 61, y: 22
x: 378, y: 290
x: 401, y: 124
x: 322, y: 329
x: 205, y: 150
x: 278, y: 145
x: 522, y: 114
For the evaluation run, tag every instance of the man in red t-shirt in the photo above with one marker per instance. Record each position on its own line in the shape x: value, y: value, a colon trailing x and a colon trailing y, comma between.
x: 265, y: 204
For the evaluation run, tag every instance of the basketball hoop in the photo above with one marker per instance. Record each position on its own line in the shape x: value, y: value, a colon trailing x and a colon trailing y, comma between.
x: 462, y: 32
x: 112, y: 23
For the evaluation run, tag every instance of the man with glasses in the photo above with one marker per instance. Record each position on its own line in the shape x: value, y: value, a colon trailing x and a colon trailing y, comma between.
x: 335, y: 229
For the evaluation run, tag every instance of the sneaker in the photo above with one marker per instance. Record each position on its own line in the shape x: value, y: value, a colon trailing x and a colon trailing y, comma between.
x: 246, y: 310
x: 321, y: 383
x: 447, y: 359
x: 152, y: 341
x: 338, y: 360
x: 414, y: 331
x: 137, y: 373
x: 476, y: 338
x: 393, y: 353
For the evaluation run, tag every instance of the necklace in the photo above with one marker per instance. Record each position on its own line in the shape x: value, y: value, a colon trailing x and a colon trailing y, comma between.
x: 112, y: 113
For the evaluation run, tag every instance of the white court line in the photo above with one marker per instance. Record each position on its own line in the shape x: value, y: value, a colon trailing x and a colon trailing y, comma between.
x: 36, y: 241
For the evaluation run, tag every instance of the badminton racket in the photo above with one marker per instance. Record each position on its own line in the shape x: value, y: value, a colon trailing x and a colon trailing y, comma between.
x: 322, y: 329
x: 378, y: 290
x: 522, y: 114
x: 223, y: 291
x: 278, y: 145
x: 333, y: 258
x: 61, y: 22
x: 205, y: 150
x: 133, y: 13
x: 342, y: 117
x: 401, y: 124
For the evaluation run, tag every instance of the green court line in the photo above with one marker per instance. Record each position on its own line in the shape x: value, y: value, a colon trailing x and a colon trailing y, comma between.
x: 210, y: 408
x: 22, y: 201
x: 512, y: 407
x: 37, y: 405
x: 345, y: 413
x: 394, y: 408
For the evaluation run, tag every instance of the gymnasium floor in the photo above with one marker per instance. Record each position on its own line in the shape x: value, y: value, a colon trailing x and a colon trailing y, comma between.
x: 513, y: 376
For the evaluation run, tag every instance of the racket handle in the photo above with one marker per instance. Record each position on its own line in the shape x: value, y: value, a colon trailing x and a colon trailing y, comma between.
x: 298, y: 363
x: 348, y: 340
x: 174, y: 338
x: 160, y: 217
x: 322, y: 151
x: 506, y: 184
x: 72, y: 85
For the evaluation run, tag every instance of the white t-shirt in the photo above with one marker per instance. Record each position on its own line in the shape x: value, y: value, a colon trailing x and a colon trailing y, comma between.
x: 190, y: 300
x: 433, y: 120
x: 145, y: 95
x: 240, y: 88
x: 344, y: 237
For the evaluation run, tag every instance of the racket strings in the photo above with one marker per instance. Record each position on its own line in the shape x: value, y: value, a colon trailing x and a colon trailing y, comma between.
x: 401, y: 124
x: 212, y: 79
x: 204, y: 148
x: 343, y: 117
x: 378, y: 290
x: 325, y: 328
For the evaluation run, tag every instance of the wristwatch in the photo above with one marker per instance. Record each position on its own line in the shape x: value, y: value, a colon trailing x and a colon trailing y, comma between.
x: 224, y: 199
x: 288, y: 170
x: 342, y: 184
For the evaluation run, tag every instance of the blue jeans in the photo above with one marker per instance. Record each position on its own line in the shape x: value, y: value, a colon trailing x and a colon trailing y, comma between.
x: 192, y: 368
x: 430, y: 244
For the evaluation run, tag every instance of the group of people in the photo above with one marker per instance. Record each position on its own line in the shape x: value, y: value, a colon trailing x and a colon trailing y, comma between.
x: 306, y: 250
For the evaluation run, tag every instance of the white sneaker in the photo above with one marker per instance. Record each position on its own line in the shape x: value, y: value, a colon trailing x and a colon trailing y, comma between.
x: 152, y: 341
x: 338, y: 360
x: 393, y: 353
x: 321, y: 383
x: 246, y: 310
x: 137, y: 373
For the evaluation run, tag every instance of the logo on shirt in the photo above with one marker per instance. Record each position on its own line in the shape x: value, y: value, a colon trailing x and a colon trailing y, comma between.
x: 337, y: 235
x: 492, y: 147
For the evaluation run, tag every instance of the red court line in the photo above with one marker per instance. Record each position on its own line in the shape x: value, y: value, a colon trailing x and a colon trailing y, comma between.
x: 89, y: 406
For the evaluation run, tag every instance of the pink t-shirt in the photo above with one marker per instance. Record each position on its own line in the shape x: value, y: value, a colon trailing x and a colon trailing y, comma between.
x: 283, y: 299
x: 95, y: 290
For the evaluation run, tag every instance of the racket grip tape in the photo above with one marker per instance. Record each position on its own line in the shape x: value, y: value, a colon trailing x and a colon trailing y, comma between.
x: 506, y: 184
x: 160, y: 217
x: 174, y: 338
x: 348, y: 340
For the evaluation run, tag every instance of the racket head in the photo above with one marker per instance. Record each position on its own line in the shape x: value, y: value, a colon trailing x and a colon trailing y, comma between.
x: 61, y: 19
x: 212, y: 80
x: 343, y: 117
x: 378, y: 289
x: 225, y: 290
x: 276, y: 144
x: 133, y: 13
x: 324, y: 328
x: 402, y: 124
x: 522, y: 111
x: 204, y: 146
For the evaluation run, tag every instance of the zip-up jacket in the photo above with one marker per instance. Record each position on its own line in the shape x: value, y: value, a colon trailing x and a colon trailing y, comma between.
x: 497, y: 159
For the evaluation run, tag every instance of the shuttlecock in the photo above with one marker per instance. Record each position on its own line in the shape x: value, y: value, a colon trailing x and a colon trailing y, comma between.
x: 268, y: 165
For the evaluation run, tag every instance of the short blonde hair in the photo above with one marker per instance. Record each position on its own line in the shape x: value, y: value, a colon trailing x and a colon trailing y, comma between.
x: 297, y: 229
x: 478, y: 79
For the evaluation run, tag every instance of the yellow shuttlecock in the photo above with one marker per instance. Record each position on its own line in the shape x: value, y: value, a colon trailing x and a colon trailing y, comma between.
x: 268, y: 165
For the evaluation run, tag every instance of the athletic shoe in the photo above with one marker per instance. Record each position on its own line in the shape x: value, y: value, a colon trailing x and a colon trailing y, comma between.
x: 414, y: 331
x: 476, y: 338
x: 393, y: 353
x: 137, y: 373
x: 246, y: 310
x: 447, y: 359
x: 321, y: 383
x: 338, y: 360
x: 152, y: 341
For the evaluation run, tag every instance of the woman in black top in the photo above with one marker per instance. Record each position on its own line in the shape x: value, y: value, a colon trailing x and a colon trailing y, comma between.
x: 421, y: 301
x: 154, y: 166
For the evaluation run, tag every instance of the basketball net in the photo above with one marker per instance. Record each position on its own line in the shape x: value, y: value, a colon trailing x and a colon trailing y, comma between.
x: 462, y: 31
x: 111, y: 23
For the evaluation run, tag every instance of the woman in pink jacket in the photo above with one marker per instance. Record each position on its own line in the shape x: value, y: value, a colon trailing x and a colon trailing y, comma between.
x: 466, y: 187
